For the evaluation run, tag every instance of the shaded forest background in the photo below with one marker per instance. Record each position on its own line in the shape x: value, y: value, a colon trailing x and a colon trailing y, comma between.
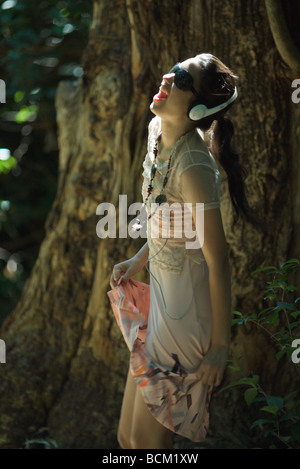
x: 41, y: 44
x: 80, y: 76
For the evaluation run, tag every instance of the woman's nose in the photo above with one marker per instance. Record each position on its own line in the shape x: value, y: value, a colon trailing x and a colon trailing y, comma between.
x: 168, y: 77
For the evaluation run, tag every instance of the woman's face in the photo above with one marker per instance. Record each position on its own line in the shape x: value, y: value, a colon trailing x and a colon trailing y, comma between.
x: 171, y: 103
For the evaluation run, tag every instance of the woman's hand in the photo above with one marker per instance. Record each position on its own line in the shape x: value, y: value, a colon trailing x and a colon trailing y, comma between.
x: 212, y: 368
x: 124, y: 270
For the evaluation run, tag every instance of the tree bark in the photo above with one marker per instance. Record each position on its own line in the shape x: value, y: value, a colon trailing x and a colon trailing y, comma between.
x: 66, y: 361
x: 281, y: 34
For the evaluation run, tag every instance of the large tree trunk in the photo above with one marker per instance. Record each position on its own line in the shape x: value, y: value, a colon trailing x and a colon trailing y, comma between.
x: 66, y: 360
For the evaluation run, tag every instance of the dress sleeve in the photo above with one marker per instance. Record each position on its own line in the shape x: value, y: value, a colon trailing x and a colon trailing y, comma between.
x: 199, y: 179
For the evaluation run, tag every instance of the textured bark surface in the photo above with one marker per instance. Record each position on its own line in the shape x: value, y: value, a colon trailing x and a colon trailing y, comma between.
x: 66, y: 360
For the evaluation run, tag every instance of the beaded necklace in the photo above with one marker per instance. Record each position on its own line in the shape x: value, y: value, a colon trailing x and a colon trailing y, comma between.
x: 161, y: 198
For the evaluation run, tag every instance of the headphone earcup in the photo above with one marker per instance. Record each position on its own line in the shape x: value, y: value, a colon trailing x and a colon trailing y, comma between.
x: 196, y: 111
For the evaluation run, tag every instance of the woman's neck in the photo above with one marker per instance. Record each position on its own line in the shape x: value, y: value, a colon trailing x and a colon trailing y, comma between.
x: 171, y: 132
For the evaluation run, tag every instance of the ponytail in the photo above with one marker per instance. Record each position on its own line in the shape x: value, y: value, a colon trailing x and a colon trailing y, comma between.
x: 221, y: 149
x: 221, y: 134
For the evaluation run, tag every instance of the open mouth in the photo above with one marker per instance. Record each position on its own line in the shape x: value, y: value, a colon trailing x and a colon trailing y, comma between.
x: 161, y: 96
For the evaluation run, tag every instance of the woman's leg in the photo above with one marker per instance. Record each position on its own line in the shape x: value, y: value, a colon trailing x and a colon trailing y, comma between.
x: 138, y: 429
x: 125, y: 422
x: 146, y: 431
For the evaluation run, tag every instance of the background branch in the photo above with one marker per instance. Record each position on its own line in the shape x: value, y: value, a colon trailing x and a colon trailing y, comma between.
x: 288, y: 51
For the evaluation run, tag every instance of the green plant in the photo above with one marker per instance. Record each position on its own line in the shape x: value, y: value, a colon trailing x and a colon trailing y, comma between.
x: 279, y: 417
x: 41, y: 440
x: 40, y: 444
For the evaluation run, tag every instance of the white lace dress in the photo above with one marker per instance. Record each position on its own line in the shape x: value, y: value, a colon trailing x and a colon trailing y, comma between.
x: 178, y: 326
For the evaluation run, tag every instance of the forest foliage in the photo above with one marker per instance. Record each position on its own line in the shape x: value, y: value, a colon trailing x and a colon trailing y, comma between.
x: 41, y: 44
x: 277, y: 416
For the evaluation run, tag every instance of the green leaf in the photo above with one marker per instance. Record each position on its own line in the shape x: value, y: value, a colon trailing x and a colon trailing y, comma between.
x: 263, y: 269
x: 7, y: 165
x: 237, y: 313
x: 18, y: 96
x: 295, y: 314
x: 236, y: 321
x: 270, y: 308
x: 64, y: 12
x: 250, y: 380
x: 290, y: 263
x: 271, y: 297
x: 230, y: 385
x: 273, y: 318
x: 286, y: 305
x: 280, y: 354
x: 25, y: 113
x: 242, y: 319
x: 291, y: 395
x: 275, y: 401
x: 250, y: 394
x: 234, y: 368
x: 273, y: 409
x: 288, y: 416
x: 260, y: 422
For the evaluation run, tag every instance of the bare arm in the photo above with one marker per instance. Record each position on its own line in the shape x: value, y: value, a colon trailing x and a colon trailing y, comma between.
x: 216, y: 255
x: 143, y: 253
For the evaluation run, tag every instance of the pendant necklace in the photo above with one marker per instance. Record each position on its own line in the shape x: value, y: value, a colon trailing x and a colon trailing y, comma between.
x: 161, y: 198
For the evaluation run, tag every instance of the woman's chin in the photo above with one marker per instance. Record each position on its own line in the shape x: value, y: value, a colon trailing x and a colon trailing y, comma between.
x: 153, y: 107
x: 156, y: 106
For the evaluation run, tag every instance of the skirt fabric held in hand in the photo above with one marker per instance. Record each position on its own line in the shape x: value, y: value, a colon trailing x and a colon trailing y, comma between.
x: 167, y: 328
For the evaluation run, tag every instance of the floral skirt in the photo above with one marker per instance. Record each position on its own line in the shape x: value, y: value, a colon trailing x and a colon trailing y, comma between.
x: 164, y: 355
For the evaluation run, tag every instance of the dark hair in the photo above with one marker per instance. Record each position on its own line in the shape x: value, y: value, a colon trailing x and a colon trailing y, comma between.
x: 217, y: 84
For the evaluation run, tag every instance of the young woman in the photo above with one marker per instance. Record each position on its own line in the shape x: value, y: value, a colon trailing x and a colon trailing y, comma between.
x: 187, y: 332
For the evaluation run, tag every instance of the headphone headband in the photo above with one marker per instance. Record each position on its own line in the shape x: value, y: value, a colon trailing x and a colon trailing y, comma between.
x: 199, y: 111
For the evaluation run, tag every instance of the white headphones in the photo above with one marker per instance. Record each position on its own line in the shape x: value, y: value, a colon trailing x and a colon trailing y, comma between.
x: 199, y: 111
